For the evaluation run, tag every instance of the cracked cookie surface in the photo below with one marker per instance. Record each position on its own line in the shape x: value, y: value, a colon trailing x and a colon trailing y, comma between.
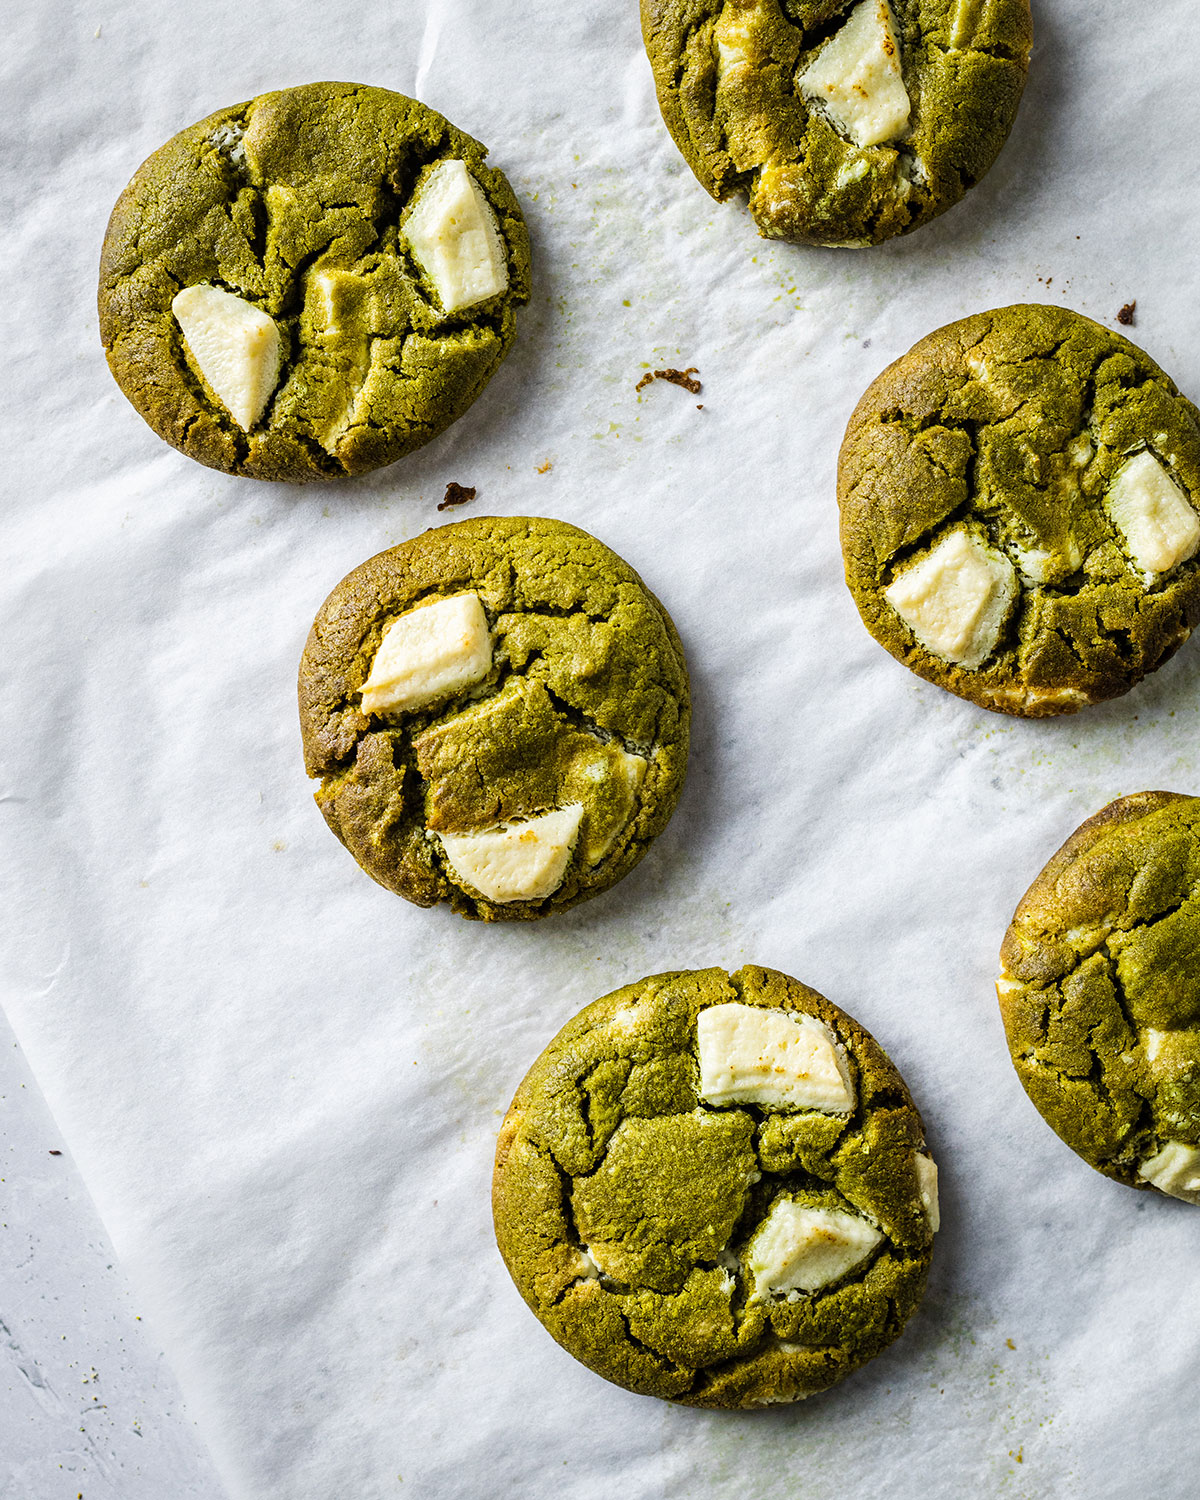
x: 498, y: 711
x: 844, y: 121
x: 1019, y: 520
x: 714, y: 1188
x: 358, y: 233
x: 1100, y: 992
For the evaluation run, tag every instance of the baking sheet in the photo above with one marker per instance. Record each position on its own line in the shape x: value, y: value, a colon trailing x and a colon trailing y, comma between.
x: 282, y: 1084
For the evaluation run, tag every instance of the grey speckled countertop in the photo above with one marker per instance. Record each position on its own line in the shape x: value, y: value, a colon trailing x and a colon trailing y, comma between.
x: 88, y: 1407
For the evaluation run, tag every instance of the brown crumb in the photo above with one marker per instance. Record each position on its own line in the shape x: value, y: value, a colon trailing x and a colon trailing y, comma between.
x: 544, y: 468
x: 1019, y: 1455
x: 681, y: 378
x: 1125, y: 316
x: 699, y: 405
x: 456, y: 494
x: 56, y: 1153
x: 1010, y: 1343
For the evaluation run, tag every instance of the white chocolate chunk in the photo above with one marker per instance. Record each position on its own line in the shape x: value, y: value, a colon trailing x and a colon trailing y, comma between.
x: 955, y: 599
x: 1036, y: 563
x: 429, y: 653
x: 1175, y: 1170
x: 1041, y: 566
x: 964, y: 21
x: 236, y: 346
x: 1153, y: 514
x: 734, y: 38
x: 516, y: 861
x: 1154, y: 1043
x: 856, y: 76
x: 588, y: 1270
x: 803, y: 1249
x: 228, y: 138
x: 927, y: 1186
x: 738, y: 35
x: 754, y: 1055
x: 453, y: 235
x: 852, y: 171
x: 628, y: 771
x: 1081, y: 451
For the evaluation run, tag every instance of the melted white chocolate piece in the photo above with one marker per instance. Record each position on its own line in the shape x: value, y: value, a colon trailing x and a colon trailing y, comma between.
x: 452, y: 232
x: 798, y: 1249
x: 516, y: 861
x: 955, y: 599
x: 856, y: 77
x: 235, y: 345
x: 1153, y: 514
x: 750, y: 1054
x: 431, y: 652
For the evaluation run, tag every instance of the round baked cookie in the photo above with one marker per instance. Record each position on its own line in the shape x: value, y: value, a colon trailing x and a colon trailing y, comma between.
x: 1100, y: 992
x: 845, y: 121
x: 311, y: 284
x: 1018, y: 510
x: 498, y: 711
x: 714, y: 1188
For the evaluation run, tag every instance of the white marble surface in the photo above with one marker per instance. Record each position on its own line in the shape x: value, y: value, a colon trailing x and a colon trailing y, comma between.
x: 88, y: 1406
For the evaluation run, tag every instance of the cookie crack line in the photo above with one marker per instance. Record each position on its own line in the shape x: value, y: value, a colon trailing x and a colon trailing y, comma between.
x: 597, y: 731
x: 467, y: 698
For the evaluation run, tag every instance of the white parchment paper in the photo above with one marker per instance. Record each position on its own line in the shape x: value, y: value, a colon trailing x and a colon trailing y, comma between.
x: 281, y: 1083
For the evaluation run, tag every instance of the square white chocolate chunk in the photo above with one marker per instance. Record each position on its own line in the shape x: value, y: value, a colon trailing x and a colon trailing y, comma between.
x: 955, y: 599
x: 516, y: 861
x: 753, y: 1055
x: 803, y: 1249
x: 1175, y: 1170
x: 927, y: 1185
x: 857, y: 77
x: 429, y: 653
x: 735, y: 35
x: 1153, y: 514
x: 452, y: 232
x: 236, y: 346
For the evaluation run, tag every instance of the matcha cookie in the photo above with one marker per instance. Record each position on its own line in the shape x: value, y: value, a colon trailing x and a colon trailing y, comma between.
x: 714, y: 1188
x: 498, y: 711
x: 845, y: 121
x: 1019, y: 511
x: 311, y: 284
x: 1100, y: 992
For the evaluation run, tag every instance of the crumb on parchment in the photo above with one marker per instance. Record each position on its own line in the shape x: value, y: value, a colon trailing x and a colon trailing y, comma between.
x: 1125, y: 316
x: 456, y: 494
x: 681, y: 378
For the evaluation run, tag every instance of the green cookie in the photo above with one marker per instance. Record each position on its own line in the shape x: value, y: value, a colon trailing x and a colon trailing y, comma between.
x: 1018, y: 498
x: 845, y: 121
x: 311, y: 284
x: 714, y: 1188
x: 498, y: 711
x: 1100, y: 992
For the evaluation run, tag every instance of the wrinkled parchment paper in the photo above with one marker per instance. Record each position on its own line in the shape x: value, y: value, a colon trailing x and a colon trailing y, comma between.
x: 281, y: 1083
